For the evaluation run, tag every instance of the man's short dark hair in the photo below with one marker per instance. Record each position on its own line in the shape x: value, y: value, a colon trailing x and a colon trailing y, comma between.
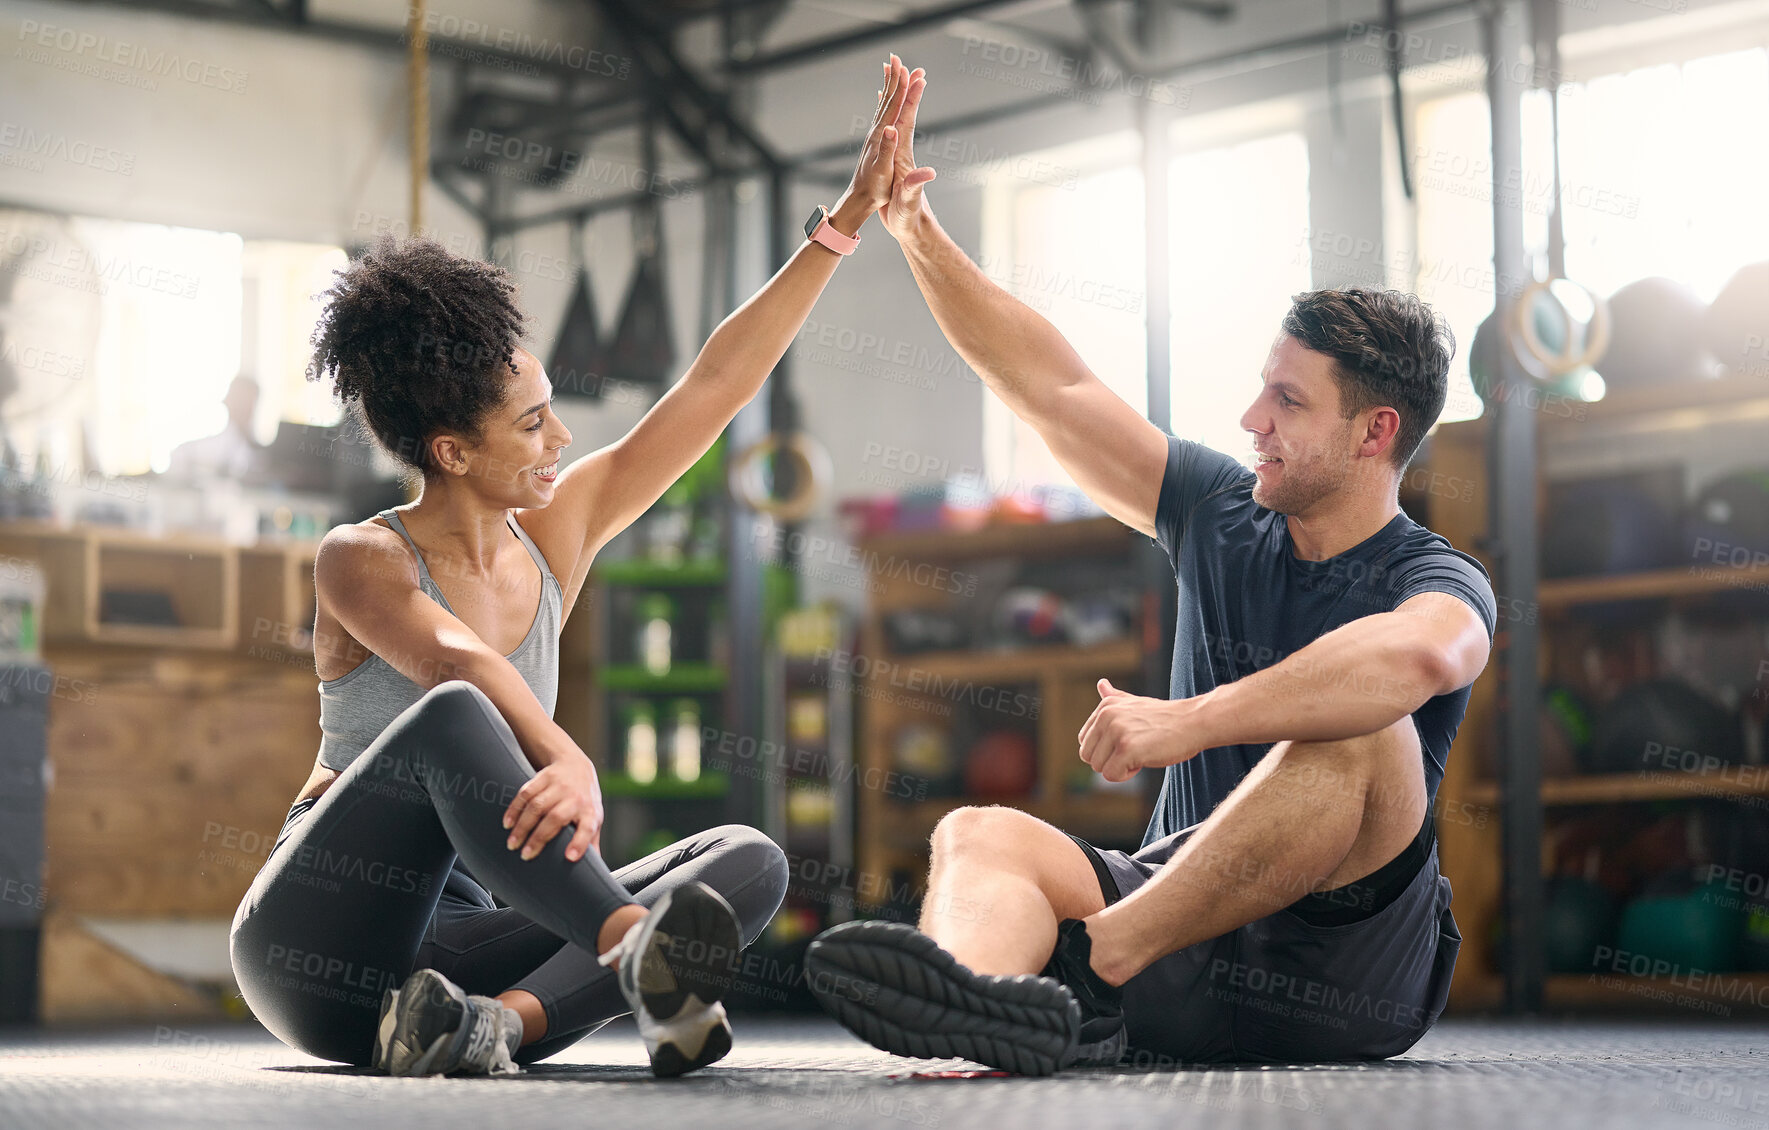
x: 1388, y: 348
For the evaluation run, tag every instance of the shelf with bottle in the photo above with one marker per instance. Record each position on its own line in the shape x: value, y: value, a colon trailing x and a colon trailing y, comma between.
x: 661, y: 751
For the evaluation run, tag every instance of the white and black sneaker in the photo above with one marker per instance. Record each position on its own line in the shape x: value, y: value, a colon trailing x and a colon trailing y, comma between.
x: 894, y: 987
x: 674, y: 966
x: 429, y: 1026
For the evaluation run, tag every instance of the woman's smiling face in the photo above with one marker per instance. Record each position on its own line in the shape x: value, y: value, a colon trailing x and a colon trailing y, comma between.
x: 517, y: 459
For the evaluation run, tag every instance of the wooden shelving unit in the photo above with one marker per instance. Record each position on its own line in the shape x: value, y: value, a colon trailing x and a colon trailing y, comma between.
x: 893, y: 691
x: 1622, y: 788
x: 220, y: 596
x: 1469, y: 804
x: 277, y: 599
x: 1659, y: 584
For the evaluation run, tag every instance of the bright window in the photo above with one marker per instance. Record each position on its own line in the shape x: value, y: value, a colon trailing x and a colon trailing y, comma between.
x: 1662, y: 173
x: 121, y: 338
x: 1091, y: 289
x: 1235, y: 265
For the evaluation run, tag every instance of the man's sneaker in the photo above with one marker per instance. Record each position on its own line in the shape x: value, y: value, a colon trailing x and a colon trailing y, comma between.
x: 674, y: 965
x: 1103, y: 1037
x: 429, y: 1026
x: 895, y: 988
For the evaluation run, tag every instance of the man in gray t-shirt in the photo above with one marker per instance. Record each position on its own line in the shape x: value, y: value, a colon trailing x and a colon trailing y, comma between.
x: 1286, y: 903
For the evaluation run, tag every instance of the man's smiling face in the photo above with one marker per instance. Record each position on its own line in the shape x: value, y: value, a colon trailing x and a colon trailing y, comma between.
x: 1307, y: 449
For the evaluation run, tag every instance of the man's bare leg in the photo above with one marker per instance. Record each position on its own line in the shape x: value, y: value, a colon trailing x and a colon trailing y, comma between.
x: 999, y: 883
x: 1310, y: 816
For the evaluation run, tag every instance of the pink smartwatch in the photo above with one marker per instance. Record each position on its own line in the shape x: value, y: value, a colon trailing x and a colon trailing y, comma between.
x: 817, y: 230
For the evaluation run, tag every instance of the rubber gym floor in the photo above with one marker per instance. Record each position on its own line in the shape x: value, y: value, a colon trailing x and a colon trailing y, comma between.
x: 808, y: 1072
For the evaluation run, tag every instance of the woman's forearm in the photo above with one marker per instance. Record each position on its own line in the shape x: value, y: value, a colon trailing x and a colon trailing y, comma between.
x: 747, y: 345
x: 543, y: 740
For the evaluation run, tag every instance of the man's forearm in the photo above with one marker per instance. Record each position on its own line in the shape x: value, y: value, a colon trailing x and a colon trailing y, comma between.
x: 1356, y: 679
x: 1017, y: 352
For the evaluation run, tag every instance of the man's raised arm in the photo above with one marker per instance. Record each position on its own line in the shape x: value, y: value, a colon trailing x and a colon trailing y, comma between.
x: 1115, y: 455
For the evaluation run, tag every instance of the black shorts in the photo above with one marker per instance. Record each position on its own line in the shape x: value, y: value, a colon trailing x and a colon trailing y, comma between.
x: 1359, y: 972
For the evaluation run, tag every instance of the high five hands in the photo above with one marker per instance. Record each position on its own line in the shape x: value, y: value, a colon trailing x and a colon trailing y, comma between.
x: 887, y: 180
x: 1127, y: 732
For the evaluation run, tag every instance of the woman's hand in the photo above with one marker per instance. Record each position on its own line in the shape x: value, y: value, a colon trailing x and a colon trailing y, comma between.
x: 903, y: 206
x: 564, y: 792
x: 870, y: 189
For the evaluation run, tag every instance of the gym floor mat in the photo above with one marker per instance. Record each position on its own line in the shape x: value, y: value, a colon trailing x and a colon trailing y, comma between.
x: 808, y: 1072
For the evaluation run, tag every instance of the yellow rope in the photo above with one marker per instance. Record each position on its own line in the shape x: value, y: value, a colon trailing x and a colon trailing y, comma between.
x: 418, y: 83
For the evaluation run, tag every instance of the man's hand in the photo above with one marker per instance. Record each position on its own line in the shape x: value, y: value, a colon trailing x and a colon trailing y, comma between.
x: 870, y: 189
x: 904, y: 206
x: 1127, y: 732
x: 564, y: 792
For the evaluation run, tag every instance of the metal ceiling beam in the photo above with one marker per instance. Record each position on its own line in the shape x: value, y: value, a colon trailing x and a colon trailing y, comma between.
x: 656, y: 53
x: 1294, y: 46
x: 295, y: 21
x: 847, y: 41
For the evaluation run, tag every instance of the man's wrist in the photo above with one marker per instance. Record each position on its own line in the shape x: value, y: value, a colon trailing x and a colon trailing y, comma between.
x: 1195, y: 719
x: 919, y: 233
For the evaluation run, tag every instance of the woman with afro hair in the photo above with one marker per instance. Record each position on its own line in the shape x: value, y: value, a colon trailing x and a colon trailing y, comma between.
x: 362, y: 939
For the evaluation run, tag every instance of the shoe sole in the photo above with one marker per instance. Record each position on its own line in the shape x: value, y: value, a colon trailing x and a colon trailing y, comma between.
x: 687, y: 972
x: 670, y: 1060
x: 406, y: 1014
x: 695, y: 956
x: 384, y: 1030
x: 895, y: 988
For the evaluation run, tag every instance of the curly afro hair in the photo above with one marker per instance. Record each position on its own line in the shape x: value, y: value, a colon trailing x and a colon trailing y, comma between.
x: 416, y: 340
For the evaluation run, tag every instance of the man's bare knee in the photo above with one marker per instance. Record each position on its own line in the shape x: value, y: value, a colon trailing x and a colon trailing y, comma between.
x: 1386, y: 761
x: 1379, y: 776
x: 1006, y: 840
x: 986, y: 834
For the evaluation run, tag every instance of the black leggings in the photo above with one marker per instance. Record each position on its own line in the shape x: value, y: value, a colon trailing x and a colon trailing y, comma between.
x: 363, y: 886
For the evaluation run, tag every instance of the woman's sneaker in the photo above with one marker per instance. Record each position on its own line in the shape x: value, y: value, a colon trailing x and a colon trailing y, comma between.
x: 429, y: 1026
x: 674, y: 966
x: 894, y: 987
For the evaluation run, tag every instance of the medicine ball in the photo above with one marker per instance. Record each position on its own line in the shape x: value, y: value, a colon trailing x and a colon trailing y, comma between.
x: 1697, y: 930
x: 1003, y: 763
x: 1663, y: 726
x: 1578, y: 918
x: 1753, y: 945
x: 1656, y: 334
x: 1621, y: 523
x: 1485, y: 357
x: 1566, y: 732
x: 1731, y: 515
x: 1736, y: 328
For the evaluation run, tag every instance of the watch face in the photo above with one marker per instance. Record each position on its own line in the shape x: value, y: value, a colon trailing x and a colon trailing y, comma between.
x: 811, y: 224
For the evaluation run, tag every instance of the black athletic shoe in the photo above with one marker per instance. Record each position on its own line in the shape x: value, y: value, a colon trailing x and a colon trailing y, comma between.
x: 674, y: 965
x: 1103, y: 1037
x: 894, y: 987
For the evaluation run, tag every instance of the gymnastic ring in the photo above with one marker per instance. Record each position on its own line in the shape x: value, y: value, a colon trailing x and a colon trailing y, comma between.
x: 816, y: 469
x: 1537, y: 359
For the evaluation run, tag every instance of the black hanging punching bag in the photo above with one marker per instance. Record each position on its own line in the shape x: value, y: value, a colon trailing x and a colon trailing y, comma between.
x: 643, y: 350
x: 579, y: 364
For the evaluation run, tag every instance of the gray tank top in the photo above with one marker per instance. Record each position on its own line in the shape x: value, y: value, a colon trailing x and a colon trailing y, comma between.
x: 356, y: 706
